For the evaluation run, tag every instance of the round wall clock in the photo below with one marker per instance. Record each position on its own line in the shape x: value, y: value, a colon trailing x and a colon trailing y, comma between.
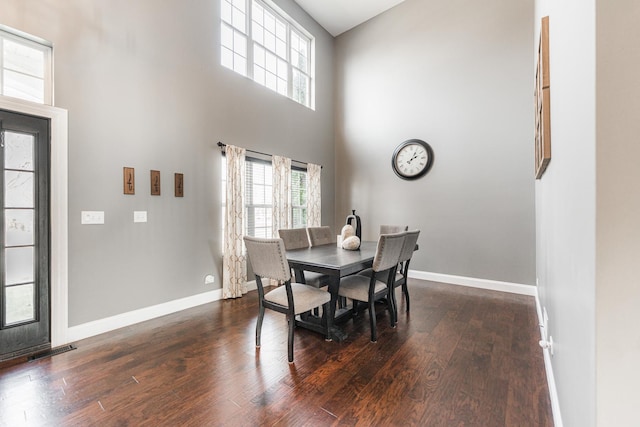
x: 412, y: 159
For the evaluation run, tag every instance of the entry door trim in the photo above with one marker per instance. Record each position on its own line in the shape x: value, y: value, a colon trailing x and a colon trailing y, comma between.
x: 58, y: 211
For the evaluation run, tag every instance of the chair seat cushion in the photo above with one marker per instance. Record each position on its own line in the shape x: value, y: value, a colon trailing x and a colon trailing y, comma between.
x: 357, y: 287
x: 305, y: 298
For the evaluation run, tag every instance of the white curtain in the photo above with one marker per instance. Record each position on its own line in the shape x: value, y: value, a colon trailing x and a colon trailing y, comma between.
x: 281, y: 167
x: 234, y: 266
x: 314, y: 196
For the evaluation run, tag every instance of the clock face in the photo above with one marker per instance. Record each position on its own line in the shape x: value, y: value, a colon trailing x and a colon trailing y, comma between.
x: 412, y: 159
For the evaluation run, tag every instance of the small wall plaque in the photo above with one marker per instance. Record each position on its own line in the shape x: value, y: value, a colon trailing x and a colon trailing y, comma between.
x: 129, y: 180
x: 155, y: 183
x: 179, y: 185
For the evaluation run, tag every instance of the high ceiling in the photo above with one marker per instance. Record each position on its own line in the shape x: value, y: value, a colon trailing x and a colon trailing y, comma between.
x: 338, y: 16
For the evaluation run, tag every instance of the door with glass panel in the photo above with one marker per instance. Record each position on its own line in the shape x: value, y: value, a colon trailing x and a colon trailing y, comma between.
x: 24, y: 236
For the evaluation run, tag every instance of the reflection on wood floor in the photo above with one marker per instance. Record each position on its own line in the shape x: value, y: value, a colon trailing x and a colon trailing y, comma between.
x: 461, y: 357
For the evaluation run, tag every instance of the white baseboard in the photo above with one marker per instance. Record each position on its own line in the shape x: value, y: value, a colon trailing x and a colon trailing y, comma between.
x: 96, y: 327
x: 553, y: 391
x: 107, y: 324
x: 494, y: 285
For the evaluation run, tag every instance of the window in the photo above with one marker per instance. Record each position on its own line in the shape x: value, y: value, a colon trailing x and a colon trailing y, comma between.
x: 258, y: 197
x: 25, y: 68
x: 298, y: 198
x: 260, y: 42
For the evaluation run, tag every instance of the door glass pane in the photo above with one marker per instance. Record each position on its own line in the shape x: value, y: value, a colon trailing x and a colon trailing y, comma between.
x: 20, y: 304
x: 18, y: 189
x: 19, y: 265
x: 18, y: 151
x: 18, y: 227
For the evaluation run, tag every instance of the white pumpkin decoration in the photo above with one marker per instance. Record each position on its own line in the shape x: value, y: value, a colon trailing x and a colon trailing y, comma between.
x: 348, y: 231
x: 351, y: 243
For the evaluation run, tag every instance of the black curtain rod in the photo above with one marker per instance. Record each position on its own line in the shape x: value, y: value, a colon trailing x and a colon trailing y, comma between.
x: 222, y: 145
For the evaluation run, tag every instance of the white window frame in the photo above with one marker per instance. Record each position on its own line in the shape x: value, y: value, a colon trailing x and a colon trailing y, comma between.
x: 33, y: 42
x: 243, y: 51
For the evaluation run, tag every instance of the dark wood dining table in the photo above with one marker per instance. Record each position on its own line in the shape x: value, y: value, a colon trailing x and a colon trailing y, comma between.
x: 336, y: 263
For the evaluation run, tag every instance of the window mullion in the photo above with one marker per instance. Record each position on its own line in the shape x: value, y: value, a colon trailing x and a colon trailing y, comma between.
x: 249, y: 34
x: 289, y: 64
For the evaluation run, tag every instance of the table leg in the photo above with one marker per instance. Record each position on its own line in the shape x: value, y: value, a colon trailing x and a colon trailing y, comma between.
x: 336, y: 333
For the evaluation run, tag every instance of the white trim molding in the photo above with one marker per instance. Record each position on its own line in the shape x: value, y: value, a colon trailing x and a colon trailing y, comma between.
x: 59, y: 269
x: 548, y: 367
x: 96, y: 327
x: 494, y: 285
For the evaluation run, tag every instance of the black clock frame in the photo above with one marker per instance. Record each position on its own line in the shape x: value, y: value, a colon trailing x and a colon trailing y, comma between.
x: 427, y: 166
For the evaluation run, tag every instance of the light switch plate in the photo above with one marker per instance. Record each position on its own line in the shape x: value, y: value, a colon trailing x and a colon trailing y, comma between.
x: 139, y: 216
x: 92, y: 217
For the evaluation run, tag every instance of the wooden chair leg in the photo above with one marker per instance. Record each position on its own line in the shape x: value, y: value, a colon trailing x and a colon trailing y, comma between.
x: 405, y: 291
x: 292, y: 324
x: 259, y: 324
x: 372, y: 321
x: 392, y: 306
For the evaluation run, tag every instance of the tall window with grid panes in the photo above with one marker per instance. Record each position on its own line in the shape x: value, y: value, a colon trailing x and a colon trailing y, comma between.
x: 261, y: 42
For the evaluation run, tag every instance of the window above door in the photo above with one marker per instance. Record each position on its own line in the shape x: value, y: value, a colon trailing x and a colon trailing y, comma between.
x: 25, y: 67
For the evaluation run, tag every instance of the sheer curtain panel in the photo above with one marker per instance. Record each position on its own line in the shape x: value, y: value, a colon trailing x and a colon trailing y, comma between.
x: 234, y: 267
x: 314, y: 197
x: 281, y: 167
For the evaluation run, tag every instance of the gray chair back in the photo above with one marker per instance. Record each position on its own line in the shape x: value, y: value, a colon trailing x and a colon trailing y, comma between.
x: 268, y: 258
x: 294, y: 238
x: 388, y: 251
x: 320, y: 235
x: 390, y: 229
x: 409, y: 245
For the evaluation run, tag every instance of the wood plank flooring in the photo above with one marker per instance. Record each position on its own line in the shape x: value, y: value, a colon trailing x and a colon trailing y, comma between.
x: 462, y: 357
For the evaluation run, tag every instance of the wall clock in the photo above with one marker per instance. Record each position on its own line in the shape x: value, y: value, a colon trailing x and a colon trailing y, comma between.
x: 412, y: 159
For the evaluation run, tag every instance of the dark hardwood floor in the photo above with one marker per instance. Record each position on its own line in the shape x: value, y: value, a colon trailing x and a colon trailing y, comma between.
x: 463, y: 357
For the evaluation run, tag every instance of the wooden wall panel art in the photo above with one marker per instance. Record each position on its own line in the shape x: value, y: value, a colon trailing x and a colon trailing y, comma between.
x: 542, y: 103
x: 155, y: 183
x: 129, y: 180
x: 179, y: 185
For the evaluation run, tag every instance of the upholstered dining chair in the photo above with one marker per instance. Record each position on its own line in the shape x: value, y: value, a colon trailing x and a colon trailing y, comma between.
x: 320, y: 235
x: 297, y: 238
x: 409, y: 246
x: 294, y: 238
x: 369, y: 289
x: 268, y: 261
x: 390, y: 229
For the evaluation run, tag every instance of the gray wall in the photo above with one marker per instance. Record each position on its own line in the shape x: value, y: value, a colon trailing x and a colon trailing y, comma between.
x: 459, y: 75
x: 565, y: 202
x: 588, y: 210
x: 144, y: 89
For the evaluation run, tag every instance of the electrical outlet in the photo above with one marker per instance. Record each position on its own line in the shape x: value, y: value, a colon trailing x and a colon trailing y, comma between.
x: 209, y: 279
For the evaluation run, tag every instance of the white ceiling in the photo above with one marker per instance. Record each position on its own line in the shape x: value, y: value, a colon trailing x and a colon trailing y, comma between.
x: 338, y: 16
